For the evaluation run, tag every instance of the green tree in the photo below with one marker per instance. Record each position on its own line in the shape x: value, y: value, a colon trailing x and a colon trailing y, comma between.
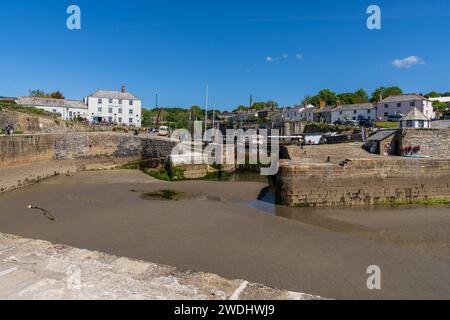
x: 38, y: 94
x: 57, y: 95
x: 328, y: 96
x: 439, y: 105
x: 197, y: 113
x: 433, y: 94
x: 384, y: 92
x: 241, y: 109
x: 360, y: 96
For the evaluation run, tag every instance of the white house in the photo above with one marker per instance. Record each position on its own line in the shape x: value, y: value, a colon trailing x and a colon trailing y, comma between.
x: 357, y: 112
x: 67, y: 109
x: 403, y: 104
x: 441, y: 99
x: 115, y: 107
x: 415, y: 120
x: 300, y: 113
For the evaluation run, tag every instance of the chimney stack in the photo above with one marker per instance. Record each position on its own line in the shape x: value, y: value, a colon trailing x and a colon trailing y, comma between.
x: 124, y: 89
x: 322, y: 104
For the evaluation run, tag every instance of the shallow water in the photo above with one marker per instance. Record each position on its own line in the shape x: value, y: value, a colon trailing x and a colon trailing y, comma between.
x: 219, y: 227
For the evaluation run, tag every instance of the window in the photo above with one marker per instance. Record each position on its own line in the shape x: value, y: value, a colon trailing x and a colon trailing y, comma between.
x: 120, y: 110
x: 110, y: 119
x: 409, y: 124
x: 100, y: 101
x: 354, y: 112
x: 120, y: 101
x: 368, y: 111
x: 131, y: 111
x: 340, y: 112
x: 110, y: 100
x: 412, y: 104
x: 100, y: 109
x: 55, y: 111
x: 386, y: 106
x: 120, y: 120
x: 110, y: 110
x: 399, y: 105
x: 131, y: 102
x: 386, y: 114
x: 130, y: 120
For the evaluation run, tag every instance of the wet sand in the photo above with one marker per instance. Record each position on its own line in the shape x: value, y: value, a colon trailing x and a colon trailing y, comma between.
x: 213, y: 228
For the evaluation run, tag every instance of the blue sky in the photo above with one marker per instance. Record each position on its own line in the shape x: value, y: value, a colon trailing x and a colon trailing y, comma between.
x: 176, y: 47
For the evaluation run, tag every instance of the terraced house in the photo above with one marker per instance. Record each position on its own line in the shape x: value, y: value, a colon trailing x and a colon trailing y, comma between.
x: 115, y: 107
x: 401, y: 105
x: 356, y: 112
x: 67, y: 109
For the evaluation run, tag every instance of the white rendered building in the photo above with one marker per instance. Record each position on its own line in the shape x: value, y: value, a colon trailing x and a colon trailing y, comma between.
x: 115, y: 107
x: 67, y: 109
x: 403, y: 104
x: 356, y: 112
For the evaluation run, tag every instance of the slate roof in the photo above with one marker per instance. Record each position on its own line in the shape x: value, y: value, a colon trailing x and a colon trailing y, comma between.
x: 404, y: 98
x: 381, y: 135
x: 109, y: 94
x: 415, y: 114
x: 47, y: 102
x: 325, y: 109
x: 350, y: 107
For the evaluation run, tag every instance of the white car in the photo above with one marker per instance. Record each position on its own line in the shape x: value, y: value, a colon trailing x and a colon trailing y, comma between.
x: 163, y: 131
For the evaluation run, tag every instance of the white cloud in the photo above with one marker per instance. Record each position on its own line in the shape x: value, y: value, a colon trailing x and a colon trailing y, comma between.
x: 273, y: 59
x: 408, y: 62
x: 299, y: 56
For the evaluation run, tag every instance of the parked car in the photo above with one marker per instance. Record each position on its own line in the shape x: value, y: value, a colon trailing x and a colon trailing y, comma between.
x: 394, y: 117
x: 163, y: 131
x: 366, y: 123
x: 351, y: 123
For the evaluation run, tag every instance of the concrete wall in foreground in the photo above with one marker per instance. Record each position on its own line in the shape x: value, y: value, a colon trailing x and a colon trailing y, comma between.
x: 23, y: 149
x: 363, y: 181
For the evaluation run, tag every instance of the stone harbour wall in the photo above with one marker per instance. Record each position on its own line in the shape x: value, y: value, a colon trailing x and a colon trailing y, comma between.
x: 432, y: 142
x: 39, y: 270
x: 362, y: 182
x: 22, y: 149
x: 26, y: 149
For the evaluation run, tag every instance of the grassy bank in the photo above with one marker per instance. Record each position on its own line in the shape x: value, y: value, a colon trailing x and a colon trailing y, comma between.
x: 387, y: 125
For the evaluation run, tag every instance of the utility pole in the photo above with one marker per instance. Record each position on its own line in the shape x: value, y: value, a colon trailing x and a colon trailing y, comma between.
x: 251, y: 102
x: 206, y: 106
x: 214, y: 114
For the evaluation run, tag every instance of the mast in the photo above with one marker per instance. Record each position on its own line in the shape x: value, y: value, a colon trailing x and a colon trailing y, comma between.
x: 206, y: 107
